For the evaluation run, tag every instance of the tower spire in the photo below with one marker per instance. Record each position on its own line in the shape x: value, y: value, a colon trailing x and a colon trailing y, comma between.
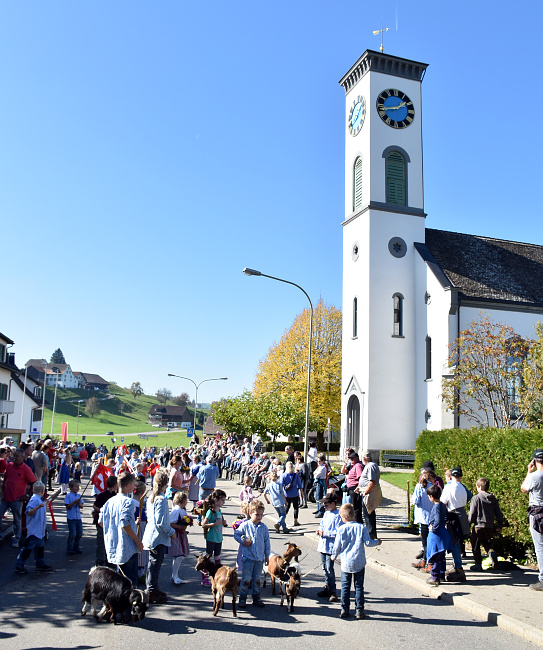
x: 381, y: 31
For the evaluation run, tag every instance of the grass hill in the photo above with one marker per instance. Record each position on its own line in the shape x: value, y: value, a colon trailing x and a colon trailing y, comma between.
x: 120, y: 413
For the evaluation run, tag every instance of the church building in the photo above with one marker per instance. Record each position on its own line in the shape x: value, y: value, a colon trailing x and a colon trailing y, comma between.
x: 409, y: 290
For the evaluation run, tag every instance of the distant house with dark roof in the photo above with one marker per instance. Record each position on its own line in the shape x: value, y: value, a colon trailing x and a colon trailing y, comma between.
x: 170, y: 416
x: 90, y: 381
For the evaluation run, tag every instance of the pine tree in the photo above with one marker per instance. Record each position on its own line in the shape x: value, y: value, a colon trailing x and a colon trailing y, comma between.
x: 57, y: 356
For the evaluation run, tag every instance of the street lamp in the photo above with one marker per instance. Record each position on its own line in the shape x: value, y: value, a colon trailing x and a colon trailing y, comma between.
x: 249, y: 271
x: 57, y: 373
x: 197, y: 386
x: 78, y: 416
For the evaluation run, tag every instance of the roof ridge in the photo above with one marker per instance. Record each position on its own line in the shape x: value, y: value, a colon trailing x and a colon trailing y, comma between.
x: 486, y: 238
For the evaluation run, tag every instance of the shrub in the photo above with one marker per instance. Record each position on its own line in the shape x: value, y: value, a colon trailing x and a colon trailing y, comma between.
x: 299, y: 446
x: 502, y: 456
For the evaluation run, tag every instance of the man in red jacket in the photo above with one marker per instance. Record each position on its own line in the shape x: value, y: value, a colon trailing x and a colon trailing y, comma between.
x: 17, y: 477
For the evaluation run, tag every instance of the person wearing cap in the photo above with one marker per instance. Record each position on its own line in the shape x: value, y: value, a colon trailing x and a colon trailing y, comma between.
x: 456, y: 496
x: 533, y: 486
x: 327, y: 531
x: 428, y: 466
x: 353, y: 477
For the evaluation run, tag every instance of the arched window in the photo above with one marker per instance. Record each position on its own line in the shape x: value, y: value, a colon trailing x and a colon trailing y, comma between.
x: 355, y: 317
x: 357, y: 184
x: 353, y: 422
x: 395, y: 178
x: 428, y: 358
x: 397, y: 323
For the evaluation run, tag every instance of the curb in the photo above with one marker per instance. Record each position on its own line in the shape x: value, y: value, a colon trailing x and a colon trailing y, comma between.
x: 493, y: 616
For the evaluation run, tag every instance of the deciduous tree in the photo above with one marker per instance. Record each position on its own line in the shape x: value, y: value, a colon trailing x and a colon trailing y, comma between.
x: 92, y: 407
x: 488, y: 361
x: 284, y: 369
x: 136, y: 389
x: 181, y: 400
x: 163, y: 395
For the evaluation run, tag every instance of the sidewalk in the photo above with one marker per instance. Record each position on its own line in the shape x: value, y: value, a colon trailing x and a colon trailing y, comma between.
x: 502, y: 598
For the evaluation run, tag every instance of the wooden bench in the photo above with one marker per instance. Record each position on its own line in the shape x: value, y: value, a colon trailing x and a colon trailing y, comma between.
x: 398, y: 459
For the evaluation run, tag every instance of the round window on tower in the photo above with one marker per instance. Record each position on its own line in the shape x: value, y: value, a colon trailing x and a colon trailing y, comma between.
x: 356, y: 251
x: 397, y: 247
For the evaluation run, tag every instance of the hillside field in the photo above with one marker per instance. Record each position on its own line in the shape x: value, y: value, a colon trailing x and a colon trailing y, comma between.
x: 120, y: 413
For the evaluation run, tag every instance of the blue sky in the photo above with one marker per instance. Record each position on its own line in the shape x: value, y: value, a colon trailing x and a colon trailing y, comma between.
x: 150, y: 151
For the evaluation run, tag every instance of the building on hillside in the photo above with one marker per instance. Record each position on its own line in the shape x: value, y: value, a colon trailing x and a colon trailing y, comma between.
x: 91, y: 382
x: 408, y: 290
x: 28, y: 397
x: 212, y: 429
x: 55, y: 373
x: 170, y: 416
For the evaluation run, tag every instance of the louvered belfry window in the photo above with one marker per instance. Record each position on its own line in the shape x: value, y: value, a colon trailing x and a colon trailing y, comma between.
x: 395, y: 178
x: 357, y: 185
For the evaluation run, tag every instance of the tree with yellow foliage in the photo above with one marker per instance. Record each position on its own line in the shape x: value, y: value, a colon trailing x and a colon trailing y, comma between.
x: 284, y: 369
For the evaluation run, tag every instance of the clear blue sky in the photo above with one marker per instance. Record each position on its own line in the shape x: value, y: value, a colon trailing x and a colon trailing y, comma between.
x: 150, y: 151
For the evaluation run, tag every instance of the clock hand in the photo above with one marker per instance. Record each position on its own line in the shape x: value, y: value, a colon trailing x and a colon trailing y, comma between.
x: 400, y: 105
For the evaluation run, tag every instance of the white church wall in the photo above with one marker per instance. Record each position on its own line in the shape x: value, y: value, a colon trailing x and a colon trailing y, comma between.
x: 391, y: 395
x: 438, y: 326
x: 522, y: 322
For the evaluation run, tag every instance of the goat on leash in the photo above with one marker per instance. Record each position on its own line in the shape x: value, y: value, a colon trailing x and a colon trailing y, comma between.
x: 223, y: 580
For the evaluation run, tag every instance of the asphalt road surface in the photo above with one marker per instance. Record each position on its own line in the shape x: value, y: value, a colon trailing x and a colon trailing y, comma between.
x: 43, y: 610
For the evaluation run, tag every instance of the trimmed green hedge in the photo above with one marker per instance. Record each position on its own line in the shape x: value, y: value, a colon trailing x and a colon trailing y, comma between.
x: 299, y: 446
x: 502, y: 456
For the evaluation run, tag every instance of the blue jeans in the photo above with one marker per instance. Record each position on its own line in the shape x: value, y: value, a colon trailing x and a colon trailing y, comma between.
x: 130, y: 569
x: 358, y: 579
x: 457, y: 555
x: 16, y: 508
x: 156, y: 558
x: 538, y: 544
x: 252, y: 570
x: 320, y: 490
x: 282, y: 513
x: 75, y: 533
x: 329, y: 573
x: 32, y: 544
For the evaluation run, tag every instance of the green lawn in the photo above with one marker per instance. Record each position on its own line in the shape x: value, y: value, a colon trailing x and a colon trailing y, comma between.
x: 167, y: 438
x: 121, y: 414
x: 399, y: 479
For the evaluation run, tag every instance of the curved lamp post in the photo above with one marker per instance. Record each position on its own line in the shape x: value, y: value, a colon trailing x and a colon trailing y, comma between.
x: 249, y: 271
x: 197, y: 386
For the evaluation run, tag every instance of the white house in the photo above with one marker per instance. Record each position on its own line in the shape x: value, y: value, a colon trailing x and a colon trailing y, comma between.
x: 409, y: 290
x: 60, y: 374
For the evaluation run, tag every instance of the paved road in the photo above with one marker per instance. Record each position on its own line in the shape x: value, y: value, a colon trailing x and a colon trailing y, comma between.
x: 42, y: 611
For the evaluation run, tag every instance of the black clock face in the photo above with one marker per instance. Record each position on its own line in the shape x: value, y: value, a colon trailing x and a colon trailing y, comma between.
x: 395, y: 108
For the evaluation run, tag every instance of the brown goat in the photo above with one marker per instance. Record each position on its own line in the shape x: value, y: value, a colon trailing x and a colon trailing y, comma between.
x: 278, y: 565
x: 292, y: 587
x: 223, y: 580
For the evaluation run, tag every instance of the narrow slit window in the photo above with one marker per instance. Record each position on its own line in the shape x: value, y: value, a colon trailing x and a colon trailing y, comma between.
x: 428, y: 358
x: 355, y: 317
x: 397, y: 325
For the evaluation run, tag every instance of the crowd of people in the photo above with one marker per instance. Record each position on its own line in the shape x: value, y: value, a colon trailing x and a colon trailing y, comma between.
x: 136, y: 531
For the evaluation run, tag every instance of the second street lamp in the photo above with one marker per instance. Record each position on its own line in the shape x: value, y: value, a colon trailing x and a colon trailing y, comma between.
x: 249, y: 271
x: 196, y: 386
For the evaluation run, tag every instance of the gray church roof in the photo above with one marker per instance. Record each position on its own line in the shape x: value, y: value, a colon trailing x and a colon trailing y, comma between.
x: 488, y: 269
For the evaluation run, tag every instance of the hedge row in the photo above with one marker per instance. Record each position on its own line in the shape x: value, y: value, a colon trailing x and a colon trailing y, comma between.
x: 299, y: 446
x: 502, y: 456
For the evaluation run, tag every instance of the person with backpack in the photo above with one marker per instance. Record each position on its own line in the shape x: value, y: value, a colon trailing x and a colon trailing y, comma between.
x: 456, y: 496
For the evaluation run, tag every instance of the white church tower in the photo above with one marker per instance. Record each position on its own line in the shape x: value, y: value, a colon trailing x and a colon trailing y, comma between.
x: 382, y: 273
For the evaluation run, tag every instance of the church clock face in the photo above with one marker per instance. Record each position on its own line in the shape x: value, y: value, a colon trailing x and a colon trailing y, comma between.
x: 395, y: 108
x: 357, y: 115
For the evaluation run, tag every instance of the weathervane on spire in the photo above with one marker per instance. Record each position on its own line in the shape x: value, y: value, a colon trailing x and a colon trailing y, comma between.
x: 381, y: 31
